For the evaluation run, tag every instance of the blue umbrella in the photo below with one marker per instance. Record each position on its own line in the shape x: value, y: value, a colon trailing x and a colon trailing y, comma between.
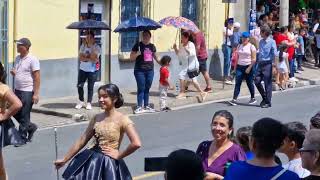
x: 137, y: 24
x: 89, y: 24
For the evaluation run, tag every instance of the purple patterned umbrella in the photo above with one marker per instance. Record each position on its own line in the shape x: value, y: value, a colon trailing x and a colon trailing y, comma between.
x: 180, y: 22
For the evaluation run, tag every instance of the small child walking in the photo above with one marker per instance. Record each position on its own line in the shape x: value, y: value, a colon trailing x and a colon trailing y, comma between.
x: 300, y: 49
x: 282, y: 65
x: 164, y: 84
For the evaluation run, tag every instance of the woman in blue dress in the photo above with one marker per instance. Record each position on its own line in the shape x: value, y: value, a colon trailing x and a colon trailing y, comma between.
x: 104, y: 161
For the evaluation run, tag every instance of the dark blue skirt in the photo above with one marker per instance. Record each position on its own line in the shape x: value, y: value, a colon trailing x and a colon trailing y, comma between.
x: 92, y: 164
x: 9, y: 135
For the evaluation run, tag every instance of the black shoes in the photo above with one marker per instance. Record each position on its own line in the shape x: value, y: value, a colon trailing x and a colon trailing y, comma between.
x: 266, y: 106
x: 263, y: 104
x: 165, y: 109
x: 33, y: 128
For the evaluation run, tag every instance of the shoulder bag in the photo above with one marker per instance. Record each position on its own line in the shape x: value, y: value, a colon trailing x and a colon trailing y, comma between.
x: 192, y: 73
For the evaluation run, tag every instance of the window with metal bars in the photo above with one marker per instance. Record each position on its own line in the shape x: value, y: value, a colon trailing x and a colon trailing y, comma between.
x: 129, y: 9
x: 4, y: 31
x: 190, y: 10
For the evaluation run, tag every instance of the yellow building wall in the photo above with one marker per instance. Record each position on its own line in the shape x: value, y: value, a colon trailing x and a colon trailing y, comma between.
x: 44, y: 23
x: 115, y: 20
x: 216, y: 23
x: 165, y: 37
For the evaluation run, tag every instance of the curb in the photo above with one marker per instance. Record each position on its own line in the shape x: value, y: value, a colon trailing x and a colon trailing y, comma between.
x: 51, y: 113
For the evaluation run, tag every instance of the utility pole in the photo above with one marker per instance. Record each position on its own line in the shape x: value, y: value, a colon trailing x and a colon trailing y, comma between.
x: 284, y: 13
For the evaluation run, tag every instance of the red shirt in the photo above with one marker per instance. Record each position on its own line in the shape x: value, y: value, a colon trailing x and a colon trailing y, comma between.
x: 202, y: 53
x: 282, y: 38
x: 164, y: 75
x: 276, y: 37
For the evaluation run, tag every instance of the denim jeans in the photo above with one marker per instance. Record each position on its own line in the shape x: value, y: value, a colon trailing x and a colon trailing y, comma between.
x: 299, y: 60
x: 227, y: 50
x: 23, y: 115
x: 144, y: 81
x: 291, y: 68
x: 82, y: 78
x: 264, y: 73
x: 240, y: 76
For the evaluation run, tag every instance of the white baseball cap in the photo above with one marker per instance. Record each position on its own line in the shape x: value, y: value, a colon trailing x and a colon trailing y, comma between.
x: 236, y: 25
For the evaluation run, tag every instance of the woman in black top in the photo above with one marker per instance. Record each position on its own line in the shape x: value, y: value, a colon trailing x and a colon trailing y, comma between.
x: 144, y: 53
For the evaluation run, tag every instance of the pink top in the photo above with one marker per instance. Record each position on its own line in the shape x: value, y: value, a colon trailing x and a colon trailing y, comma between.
x: 244, y: 53
x: 202, y: 53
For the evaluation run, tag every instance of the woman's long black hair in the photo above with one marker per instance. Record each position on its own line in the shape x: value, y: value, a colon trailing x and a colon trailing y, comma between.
x: 3, y: 74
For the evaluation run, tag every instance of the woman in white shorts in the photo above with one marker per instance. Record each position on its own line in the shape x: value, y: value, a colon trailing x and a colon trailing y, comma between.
x: 188, y: 58
x: 282, y: 65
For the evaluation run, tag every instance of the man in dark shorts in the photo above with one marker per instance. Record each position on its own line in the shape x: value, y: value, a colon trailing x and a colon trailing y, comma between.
x: 202, y: 55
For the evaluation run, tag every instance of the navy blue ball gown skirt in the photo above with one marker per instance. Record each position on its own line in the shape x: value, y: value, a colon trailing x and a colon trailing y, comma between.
x: 9, y: 135
x: 92, y: 164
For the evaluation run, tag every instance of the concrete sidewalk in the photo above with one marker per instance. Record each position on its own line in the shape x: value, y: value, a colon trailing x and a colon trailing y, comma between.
x: 64, y: 107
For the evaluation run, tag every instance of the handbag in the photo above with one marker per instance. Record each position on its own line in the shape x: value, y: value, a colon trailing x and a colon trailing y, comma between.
x: 192, y: 73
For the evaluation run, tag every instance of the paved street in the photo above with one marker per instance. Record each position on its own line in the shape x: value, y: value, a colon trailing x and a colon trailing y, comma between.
x: 160, y: 133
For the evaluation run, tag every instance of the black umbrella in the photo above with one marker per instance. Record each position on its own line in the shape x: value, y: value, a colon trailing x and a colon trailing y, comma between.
x: 89, y: 24
x: 137, y: 24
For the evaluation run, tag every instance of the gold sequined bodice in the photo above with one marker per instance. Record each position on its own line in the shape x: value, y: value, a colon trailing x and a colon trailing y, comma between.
x: 110, y: 133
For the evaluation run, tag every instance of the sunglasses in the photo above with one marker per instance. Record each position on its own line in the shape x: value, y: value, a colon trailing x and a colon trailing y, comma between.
x: 304, y: 151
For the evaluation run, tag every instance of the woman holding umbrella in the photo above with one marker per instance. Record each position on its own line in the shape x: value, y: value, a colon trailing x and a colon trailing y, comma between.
x: 188, y: 57
x: 144, y: 53
x: 89, y: 56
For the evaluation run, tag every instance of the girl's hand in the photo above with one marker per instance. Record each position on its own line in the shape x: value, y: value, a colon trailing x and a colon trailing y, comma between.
x: 59, y: 163
x: 175, y: 46
x: 113, y: 153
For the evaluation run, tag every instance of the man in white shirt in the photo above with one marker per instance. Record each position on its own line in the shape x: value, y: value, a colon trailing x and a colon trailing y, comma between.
x: 316, y: 31
x: 26, y: 72
x: 291, y: 145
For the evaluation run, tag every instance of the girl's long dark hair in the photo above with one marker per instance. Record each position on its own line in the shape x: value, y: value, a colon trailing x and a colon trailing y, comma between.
x: 3, y: 74
x: 282, y: 49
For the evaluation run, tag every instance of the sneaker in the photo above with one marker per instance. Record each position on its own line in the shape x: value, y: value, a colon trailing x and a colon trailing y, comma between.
x: 89, y: 106
x: 80, y: 105
x: 292, y: 79
x: 233, y: 102
x: 31, y: 131
x: 300, y: 69
x: 208, y: 90
x: 252, y: 101
x: 149, y: 109
x: 263, y: 102
x: 228, y: 82
x: 266, y: 106
x: 203, y: 96
x: 181, y: 96
x: 139, y: 110
x: 165, y: 109
x: 295, y: 79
